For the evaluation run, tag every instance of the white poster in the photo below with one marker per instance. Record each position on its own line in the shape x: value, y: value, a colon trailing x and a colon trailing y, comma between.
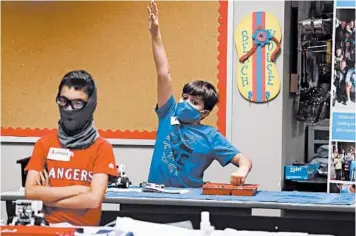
x: 342, y: 141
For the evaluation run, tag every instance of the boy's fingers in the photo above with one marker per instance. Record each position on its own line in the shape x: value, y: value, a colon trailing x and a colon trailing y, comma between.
x: 155, y: 8
x: 234, y: 180
x: 38, y: 182
x: 42, y: 178
x: 237, y: 180
x: 46, y: 176
x: 151, y: 5
x: 45, y: 173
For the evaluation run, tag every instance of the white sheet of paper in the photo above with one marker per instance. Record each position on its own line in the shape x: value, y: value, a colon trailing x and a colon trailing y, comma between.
x: 178, y: 191
x: 138, y: 190
x: 156, y: 190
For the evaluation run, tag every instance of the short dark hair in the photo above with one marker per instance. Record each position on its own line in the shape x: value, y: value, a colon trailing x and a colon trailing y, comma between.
x: 79, y: 80
x: 205, y: 90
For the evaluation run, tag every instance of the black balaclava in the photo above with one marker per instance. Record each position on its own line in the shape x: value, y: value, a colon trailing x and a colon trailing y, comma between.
x: 74, y: 121
x: 75, y: 127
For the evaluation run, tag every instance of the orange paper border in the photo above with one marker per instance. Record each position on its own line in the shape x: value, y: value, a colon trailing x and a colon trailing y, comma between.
x: 128, y: 134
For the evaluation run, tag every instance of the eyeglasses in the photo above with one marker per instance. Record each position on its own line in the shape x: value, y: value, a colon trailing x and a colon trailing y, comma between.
x: 76, y: 104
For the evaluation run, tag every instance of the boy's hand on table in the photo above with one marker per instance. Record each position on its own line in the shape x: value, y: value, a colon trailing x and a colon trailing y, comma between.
x: 238, y: 177
x: 244, y: 166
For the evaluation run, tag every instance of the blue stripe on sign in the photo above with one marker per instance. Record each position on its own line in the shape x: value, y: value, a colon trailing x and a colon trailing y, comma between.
x: 259, y: 63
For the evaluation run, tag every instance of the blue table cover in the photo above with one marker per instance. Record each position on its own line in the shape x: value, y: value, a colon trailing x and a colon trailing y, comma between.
x: 292, y: 197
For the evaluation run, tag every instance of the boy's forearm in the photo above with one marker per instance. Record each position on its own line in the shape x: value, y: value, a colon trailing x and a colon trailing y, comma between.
x: 80, y: 201
x: 245, y: 164
x: 164, y: 85
x: 52, y: 194
x: 159, y: 55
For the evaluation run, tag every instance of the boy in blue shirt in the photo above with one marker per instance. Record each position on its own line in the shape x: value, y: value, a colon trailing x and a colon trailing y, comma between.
x: 184, y: 147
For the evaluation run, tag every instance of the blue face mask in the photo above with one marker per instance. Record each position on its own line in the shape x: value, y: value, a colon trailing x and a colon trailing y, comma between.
x: 186, y: 113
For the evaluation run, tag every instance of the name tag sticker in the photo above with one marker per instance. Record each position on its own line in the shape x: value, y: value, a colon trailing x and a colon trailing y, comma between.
x: 59, y: 154
x: 174, y: 120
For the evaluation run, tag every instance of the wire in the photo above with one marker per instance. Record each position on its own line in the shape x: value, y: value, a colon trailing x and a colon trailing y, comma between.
x: 110, y: 224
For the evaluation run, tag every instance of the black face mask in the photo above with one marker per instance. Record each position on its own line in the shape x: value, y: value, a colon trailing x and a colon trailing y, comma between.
x: 74, y: 121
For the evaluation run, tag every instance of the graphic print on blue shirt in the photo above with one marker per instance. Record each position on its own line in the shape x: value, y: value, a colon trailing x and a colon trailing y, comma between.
x: 183, y: 152
x: 180, y: 150
x: 175, y: 151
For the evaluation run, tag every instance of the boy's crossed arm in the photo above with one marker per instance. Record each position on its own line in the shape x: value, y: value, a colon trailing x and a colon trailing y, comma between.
x: 37, y: 188
x: 75, y: 196
x: 164, y: 91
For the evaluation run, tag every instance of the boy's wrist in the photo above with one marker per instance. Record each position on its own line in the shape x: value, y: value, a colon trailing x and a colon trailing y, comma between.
x: 49, y: 204
x: 80, y: 189
x: 156, y: 35
x: 244, y: 170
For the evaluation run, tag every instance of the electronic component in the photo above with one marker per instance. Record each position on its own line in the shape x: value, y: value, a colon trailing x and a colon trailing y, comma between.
x: 122, y: 181
x: 28, y: 213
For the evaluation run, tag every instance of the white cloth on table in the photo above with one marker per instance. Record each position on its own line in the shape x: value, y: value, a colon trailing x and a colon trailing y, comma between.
x: 142, y: 228
x: 233, y: 232
x: 90, y: 230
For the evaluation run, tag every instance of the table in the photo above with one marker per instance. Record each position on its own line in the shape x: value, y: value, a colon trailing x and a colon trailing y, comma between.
x: 309, y: 218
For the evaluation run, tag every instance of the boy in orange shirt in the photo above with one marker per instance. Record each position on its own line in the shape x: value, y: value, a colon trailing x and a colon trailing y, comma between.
x: 69, y: 168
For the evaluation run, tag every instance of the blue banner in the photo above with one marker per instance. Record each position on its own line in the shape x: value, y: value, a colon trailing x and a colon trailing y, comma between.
x: 346, y: 4
x: 343, y: 126
x: 342, y: 143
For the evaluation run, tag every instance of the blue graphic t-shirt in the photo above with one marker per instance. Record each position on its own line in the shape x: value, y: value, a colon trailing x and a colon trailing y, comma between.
x: 183, y: 152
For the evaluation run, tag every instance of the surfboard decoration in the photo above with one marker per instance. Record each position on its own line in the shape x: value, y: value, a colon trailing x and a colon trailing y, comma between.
x: 258, y: 42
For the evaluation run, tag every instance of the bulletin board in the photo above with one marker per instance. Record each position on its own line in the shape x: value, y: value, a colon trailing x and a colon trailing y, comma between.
x: 41, y: 41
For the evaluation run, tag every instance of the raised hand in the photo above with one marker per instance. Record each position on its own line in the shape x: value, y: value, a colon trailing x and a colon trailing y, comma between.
x: 153, y: 18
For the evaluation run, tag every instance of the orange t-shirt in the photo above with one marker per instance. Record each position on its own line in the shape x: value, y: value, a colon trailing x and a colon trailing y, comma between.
x: 78, y: 170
